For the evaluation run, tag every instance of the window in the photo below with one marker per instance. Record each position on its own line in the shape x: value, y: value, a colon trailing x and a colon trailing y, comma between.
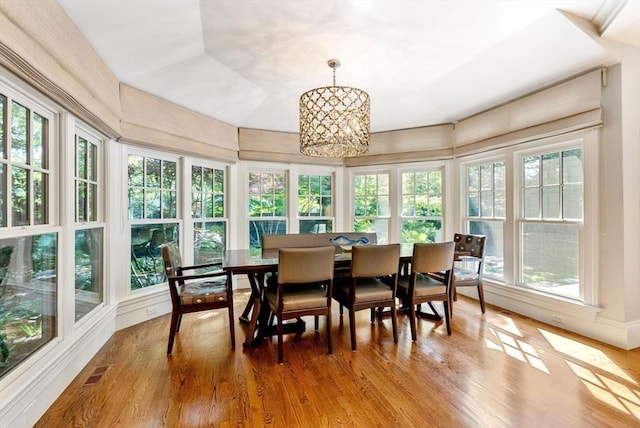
x: 315, y: 203
x: 551, y: 199
x: 486, y: 211
x: 372, y: 205
x: 421, y: 213
x: 153, y: 214
x: 208, y: 213
x: 28, y: 260
x: 267, y: 207
x: 89, y: 233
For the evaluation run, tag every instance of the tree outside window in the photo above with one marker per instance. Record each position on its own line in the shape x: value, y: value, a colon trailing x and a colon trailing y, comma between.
x: 153, y: 212
x: 371, y: 205
x: 267, y: 207
x: 421, y: 206
x: 315, y: 203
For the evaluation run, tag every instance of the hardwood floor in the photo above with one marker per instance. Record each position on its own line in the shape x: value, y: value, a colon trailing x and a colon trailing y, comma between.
x: 495, y: 370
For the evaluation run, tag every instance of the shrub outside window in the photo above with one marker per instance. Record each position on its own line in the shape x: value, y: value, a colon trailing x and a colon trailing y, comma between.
x: 267, y: 207
x: 153, y: 214
x: 421, y: 206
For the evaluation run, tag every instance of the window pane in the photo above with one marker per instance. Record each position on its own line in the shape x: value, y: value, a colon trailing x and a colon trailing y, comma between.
x: 3, y: 196
x: 359, y: 185
x: 40, y: 202
x: 20, y: 196
x: 208, y: 180
x: 486, y: 204
x: 147, y: 267
x: 3, y: 126
x: 152, y: 203
x: 550, y: 258
x: 383, y: 206
x: 38, y: 141
x: 551, y: 202
x: 89, y: 270
x: 499, y: 175
x: 153, y: 172
x: 196, y: 204
x: 218, y: 204
x: 196, y: 178
x: 531, y: 171
x: 136, y: 203
x: 421, y: 231
x: 486, y: 177
x: 219, y: 181
x: 136, y: 171
x: 257, y: 228
x: 500, y: 208
x: 532, y: 203
x: 572, y: 166
x: 572, y: 201
x: 473, y: 199
x: 92, y: 202
x: 169, y: 204
x: 209, y: 241
x: 81, y: 158
x: 316, y: 226
x: 473, y: 178
x: 550, y: 169
x: 19, y: 123
x: 92, y: 162
x: 408, y: 205
x: 28, y: 295
x: 493, y: 253
x: 379, y: 226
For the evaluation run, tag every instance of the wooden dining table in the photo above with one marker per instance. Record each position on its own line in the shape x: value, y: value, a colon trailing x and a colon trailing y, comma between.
x: 256, y: 314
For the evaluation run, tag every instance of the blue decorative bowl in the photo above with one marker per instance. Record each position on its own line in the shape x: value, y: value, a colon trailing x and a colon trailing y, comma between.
x: 347, y: 243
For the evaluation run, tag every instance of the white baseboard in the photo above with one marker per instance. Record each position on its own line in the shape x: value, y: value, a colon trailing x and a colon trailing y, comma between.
x: 569, y: 315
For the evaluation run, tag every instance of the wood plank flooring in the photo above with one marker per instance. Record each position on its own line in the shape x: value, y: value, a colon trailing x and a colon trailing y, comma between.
x: 495, y: 370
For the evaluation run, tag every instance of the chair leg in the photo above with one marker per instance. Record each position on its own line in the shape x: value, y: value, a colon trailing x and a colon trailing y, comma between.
x: 175, y: 318
x: 447, y: 318
x: 280, y: 333
x: 315, y: 322
x: 328, y: 327
x: 481, y: 296
x: 352, y: 328
x: 412, y: 321
x: 179, y: 322
x: 232, y: 328
x: 394, y: 323
x: 341, y: 309
x: 373, y: 315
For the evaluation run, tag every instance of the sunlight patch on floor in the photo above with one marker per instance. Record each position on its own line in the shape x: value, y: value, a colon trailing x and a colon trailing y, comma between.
x: 517, y: 349
x: 585, y: 353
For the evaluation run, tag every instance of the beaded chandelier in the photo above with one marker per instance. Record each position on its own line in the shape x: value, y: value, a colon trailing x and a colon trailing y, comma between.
x: 334, y: 120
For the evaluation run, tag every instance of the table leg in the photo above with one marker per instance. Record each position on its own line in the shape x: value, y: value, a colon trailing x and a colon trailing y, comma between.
x: 255, y: 307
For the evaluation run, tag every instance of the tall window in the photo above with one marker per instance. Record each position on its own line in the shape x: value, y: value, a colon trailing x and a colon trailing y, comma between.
x: 421, y: 206
x: 89, y: 230
x: 28, y: 260
x: 371, y: 205
x: 153, y: 214
x: 486, y: 211
x: 208, y: 213
x: 551, y: 197
x: 315, y: 203
x: 267, y: 207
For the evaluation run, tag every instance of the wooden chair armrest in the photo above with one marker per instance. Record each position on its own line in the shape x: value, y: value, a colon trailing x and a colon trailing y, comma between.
x: 199, y: 276
x: 206, y: 265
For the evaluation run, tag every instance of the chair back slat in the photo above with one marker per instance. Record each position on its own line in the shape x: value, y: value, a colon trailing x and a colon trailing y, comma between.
x: 305, y: 265
x: 375, y: 260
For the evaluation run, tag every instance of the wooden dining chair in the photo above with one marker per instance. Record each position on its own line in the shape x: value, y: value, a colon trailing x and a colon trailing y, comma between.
x: 420, y: 288
x: 370, y: 265
x: 304, y: 287
x: 469, y: 267
x: 197, y: 292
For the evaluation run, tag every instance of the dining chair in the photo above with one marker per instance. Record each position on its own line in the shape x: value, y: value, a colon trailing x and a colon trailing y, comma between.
x: 420, y: 288
x: 197, y: 292
x: 304, y: 287
x: 370, y: 265
x: 468, y: 269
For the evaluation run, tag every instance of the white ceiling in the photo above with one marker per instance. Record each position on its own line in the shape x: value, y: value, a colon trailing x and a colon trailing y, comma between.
x: 423, y: 62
